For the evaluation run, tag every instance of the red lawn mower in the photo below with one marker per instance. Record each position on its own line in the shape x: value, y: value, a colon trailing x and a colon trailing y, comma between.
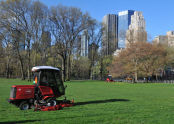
x: 42, y: 95
x: 109, y: 78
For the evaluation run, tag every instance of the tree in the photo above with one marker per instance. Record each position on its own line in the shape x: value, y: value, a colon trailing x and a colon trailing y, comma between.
x: 80, y: 68
x: 40, y: 31
x: 95, y: 33
x: 67, y: 23
x: 140, y: 58
x: 104, y: 63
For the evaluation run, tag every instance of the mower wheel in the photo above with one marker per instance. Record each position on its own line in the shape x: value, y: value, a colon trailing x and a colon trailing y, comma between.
x: 51, y: 102
x: 24, y: 105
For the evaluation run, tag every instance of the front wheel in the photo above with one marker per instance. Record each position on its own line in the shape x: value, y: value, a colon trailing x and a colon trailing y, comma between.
x: 51, y: 102
x: 24, y: 105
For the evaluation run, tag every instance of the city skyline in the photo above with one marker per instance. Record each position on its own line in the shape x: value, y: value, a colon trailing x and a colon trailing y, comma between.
x: 156, y: 13
x: 121, y: 29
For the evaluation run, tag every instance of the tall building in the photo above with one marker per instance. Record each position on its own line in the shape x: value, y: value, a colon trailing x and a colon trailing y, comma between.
x: 167, y: 39
x: 124, y: 20
x: 137, y: 29
x: 84, y: 43
x: 161, y: 39
x: 110, y: 34
x: 170, y: 38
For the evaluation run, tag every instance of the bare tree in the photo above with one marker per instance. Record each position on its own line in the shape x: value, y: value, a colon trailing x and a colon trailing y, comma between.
x: 67, y: 23
x: 40, y: 29
x: 95, y: 34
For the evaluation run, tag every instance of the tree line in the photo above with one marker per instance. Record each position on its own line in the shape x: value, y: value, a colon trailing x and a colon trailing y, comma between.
x: 32, y: 34
x: 141, y: 60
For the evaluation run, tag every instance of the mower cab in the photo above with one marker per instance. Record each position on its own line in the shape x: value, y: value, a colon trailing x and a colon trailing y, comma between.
x: 48, y: 78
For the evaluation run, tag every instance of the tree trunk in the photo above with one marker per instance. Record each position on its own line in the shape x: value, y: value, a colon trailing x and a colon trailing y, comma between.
x: 136, y: 73
x: 28, y: 55
x: 7, y: 70
x: 69, y: 68
x: 101, y: 69
x: 92, y: 64
x: 91, y: 73
x: 22, y: 70
x: 156, y: 77
x: 29, y: 66
x: 136, y: 77
x: 63, y: 68
x: 21, y: 65
x: 35, y: 58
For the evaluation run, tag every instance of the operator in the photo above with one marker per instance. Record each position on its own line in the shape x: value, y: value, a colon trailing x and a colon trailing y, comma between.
x: 36, y: 89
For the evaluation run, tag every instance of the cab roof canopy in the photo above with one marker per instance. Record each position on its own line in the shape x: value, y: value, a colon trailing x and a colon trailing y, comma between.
x: 36, y: 68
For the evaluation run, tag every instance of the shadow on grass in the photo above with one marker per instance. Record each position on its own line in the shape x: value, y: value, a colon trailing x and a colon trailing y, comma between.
x: 102, y: 101
x: 19, y: 122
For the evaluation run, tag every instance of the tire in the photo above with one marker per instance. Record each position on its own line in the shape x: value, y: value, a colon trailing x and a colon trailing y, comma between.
x: 24, y: 105
x: 51, y: 102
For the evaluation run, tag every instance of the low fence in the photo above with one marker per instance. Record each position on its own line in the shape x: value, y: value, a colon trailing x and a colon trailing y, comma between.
x: 143, y: 81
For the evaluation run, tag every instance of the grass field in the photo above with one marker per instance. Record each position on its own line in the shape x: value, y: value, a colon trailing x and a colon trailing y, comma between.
x: 98, y: 102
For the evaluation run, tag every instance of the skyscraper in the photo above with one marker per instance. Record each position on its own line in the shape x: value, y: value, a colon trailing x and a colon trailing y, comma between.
x: 110, y: 34
x: 137, y: 29
x: 84, y: 43
x: 124, y: 20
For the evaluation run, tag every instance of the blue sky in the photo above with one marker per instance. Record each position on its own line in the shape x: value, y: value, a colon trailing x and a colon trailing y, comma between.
x: 159, y: 14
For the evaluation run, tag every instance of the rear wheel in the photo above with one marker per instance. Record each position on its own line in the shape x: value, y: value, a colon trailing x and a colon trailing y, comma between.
x: 24, y: 105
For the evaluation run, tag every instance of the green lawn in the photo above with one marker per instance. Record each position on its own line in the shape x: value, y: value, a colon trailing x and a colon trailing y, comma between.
x: 98, y: 102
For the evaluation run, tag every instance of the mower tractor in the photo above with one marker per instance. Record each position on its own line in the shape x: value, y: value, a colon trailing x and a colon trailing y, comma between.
x: 43, y: 93
x: 109, y: 78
